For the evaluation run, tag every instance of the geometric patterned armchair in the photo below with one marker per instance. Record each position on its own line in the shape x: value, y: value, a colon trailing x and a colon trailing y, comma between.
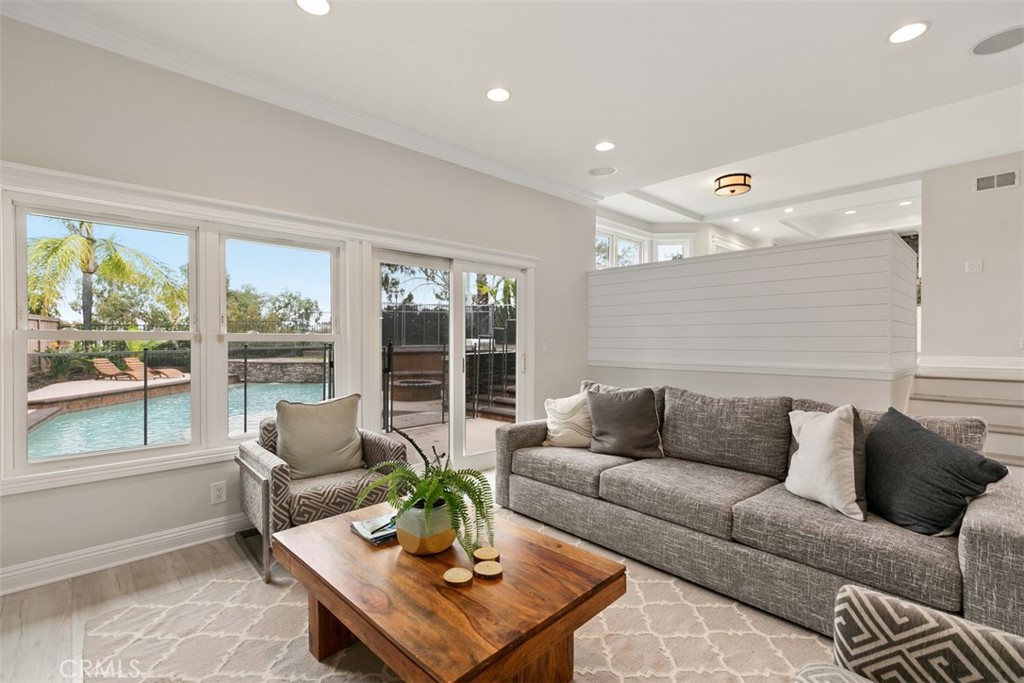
x: 274, y: 501
x: 878, y: 637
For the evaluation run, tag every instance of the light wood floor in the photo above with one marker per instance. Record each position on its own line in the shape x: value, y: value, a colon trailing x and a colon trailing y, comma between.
x: 43, y: 627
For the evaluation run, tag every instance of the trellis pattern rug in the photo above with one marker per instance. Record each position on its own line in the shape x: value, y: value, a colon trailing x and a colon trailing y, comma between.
x: 237, y: 629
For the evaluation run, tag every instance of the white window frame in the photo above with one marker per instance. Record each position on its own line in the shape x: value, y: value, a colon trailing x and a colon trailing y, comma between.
x: 683, y: 239
x: 616, y: 232
x: 355, y: 291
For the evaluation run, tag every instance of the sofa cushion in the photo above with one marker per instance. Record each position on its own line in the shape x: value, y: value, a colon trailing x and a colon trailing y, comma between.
x: 625, y: 423
x: 751, y: 434
x: 691, y: 494
x: 920, y: 480
x: 874, y: 552
x: 575, y: 469
x: 327, y: 495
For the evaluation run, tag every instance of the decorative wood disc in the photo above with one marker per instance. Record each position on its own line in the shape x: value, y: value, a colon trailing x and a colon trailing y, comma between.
x: 486, y: 554
x: 457, y: 576
x: 487, y: 570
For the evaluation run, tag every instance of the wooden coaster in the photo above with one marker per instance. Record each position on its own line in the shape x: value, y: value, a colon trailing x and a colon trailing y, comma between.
x: 486, y: 554
x: 487, y: 570
x: 457, y: 576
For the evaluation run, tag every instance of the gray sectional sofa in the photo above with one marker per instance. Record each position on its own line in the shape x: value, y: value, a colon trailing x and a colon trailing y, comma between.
x: 715, y: 511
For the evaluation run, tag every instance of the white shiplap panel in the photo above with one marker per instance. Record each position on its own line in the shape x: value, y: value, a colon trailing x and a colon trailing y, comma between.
x: 651, y: 323
x: 844, y: 305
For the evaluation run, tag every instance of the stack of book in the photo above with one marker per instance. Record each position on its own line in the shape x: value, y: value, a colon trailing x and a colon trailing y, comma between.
x: 377, y: 531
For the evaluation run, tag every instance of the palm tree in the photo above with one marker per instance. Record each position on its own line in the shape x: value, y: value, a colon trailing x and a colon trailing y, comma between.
x: 55, y: 261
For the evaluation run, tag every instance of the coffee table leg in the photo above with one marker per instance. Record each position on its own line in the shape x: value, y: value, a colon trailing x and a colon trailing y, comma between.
x: 554, y: 665
x: 327, y: 635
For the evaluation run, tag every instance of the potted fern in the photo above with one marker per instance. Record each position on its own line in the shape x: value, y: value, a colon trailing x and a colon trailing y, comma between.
x: 436, y: 506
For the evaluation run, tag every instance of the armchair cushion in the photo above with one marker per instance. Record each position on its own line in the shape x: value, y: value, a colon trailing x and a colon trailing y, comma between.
x: 316, y: 498
x: 319, y: 438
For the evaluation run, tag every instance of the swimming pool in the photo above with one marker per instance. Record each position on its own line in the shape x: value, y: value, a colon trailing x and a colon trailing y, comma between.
x: 120, y: 426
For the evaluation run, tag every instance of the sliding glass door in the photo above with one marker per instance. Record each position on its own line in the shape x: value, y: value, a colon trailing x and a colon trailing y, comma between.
x: 449, y: 356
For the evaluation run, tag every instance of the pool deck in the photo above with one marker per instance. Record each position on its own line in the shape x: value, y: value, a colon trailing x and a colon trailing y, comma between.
x: 90, y: 388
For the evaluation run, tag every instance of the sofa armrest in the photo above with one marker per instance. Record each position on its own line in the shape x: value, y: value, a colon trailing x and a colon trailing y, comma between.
x: 378, y: 448
x: 885, y: 638
x: 261, y: 470
x: 992, y: 557
x: 508, y: 439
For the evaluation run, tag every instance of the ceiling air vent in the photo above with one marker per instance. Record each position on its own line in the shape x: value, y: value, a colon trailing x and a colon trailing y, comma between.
x: 996, y: 181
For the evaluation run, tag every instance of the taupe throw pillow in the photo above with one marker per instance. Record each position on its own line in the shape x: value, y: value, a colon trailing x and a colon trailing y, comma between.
x: 625, y: 423
x: 319, y: 438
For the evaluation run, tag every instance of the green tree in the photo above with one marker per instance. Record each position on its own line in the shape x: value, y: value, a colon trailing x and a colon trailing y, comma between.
x: 292, y: 311
x: 54, y: 263
x: 245, y: 306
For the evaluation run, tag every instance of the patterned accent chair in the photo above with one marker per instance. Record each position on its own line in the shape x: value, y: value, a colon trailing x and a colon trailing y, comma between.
x: 882, y: 638
x: 274, y: 501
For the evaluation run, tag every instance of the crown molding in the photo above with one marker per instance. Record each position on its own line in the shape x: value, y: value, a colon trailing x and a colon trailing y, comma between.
x: 73, y: 21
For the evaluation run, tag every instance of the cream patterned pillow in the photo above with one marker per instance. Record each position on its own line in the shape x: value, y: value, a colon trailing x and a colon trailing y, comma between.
x: 568, y: 422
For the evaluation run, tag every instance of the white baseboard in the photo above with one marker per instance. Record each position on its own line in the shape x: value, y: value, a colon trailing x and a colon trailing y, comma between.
x: 973, y: 367
x: 78, y: 562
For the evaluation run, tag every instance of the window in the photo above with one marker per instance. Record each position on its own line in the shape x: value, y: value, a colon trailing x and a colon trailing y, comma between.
x: 612, y: 250
x: 106, y: 316
x: 280, y: 341
x: 672, y: 250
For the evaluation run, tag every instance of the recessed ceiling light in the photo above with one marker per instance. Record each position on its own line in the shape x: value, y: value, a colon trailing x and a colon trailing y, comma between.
x: 315, y: 7
x: 605, y: 146
x: 757, y: 229
x: 904, y: 34
x: 603, y: 170
x: 735, y: 220
x: 789, y: 210
x: 850, y: 212
x: 906, y: 203
x: 499, y: 94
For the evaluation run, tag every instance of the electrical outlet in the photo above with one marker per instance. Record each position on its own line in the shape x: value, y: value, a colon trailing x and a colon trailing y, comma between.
x: 974, y: 266
x: 218, y: 492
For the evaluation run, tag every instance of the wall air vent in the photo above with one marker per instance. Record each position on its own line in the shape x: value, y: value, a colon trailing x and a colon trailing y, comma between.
x: 996, y: 181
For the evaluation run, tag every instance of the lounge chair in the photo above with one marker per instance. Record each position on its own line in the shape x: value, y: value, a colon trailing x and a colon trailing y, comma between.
x: 108, y: 370
x: 136, y: 365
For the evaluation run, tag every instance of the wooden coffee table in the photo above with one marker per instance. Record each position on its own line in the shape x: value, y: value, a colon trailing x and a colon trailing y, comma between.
x: 516, y: 628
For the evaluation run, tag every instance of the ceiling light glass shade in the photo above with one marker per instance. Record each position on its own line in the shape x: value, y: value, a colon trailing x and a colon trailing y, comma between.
x: 605, y: 146
x: 499, y: 94
x: 904, y: 34
x: 314, y: 7
x: 732, y: 184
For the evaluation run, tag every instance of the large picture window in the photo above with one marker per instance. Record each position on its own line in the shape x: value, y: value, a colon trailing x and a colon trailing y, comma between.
x: 105, y: 310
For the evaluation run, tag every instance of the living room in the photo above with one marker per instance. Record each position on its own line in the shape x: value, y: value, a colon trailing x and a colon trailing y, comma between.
x: 123, y: 117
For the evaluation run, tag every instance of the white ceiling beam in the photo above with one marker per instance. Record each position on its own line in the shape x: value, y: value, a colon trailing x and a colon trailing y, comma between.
x: 668, y: 206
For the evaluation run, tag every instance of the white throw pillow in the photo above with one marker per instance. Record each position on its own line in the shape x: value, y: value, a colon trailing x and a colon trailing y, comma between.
x: 822, y: 468
x: 568, y: 422
x: 319, y: 438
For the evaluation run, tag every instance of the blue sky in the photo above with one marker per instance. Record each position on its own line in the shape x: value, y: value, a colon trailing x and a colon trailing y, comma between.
x: 269, y: 268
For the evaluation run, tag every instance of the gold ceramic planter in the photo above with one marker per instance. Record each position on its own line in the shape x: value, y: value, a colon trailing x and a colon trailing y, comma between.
x: 417, y: 538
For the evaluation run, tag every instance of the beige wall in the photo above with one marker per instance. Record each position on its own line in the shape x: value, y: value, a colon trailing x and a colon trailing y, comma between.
x: 70, y: 107
x: 972, y: 314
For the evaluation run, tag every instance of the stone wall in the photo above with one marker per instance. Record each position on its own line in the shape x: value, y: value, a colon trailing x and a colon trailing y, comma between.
x: 286, y: 370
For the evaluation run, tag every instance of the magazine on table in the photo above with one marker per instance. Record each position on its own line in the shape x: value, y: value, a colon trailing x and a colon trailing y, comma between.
x: 378, y: 530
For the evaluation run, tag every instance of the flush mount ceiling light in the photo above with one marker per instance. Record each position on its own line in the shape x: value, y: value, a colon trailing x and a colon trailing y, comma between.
x: 732, y: 184
x: 904, y: 34
x: 315, y: 7
x: 499, y: 94
x: 605, y: 146
x: 1004, y: 40
x: 603, y: 170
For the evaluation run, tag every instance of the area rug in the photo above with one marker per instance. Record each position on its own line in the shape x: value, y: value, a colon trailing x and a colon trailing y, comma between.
x: 238, y: 628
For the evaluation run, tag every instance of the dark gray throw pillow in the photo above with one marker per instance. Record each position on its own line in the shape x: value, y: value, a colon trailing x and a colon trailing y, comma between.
x: 918, y: 479
x: 625, y: 423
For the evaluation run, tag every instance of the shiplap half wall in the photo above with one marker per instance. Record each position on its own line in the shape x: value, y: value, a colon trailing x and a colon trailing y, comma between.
x: 843, y: 307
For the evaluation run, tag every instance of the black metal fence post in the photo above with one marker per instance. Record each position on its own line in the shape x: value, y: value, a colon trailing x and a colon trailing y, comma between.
x: 245, y: 387
x: 145, y: 397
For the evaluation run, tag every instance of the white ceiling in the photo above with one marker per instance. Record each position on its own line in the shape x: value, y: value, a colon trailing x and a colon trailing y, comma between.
x: 809, y: 98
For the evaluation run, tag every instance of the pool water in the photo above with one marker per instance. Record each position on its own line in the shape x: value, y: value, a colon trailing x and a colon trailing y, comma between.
x: 120, y: 426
